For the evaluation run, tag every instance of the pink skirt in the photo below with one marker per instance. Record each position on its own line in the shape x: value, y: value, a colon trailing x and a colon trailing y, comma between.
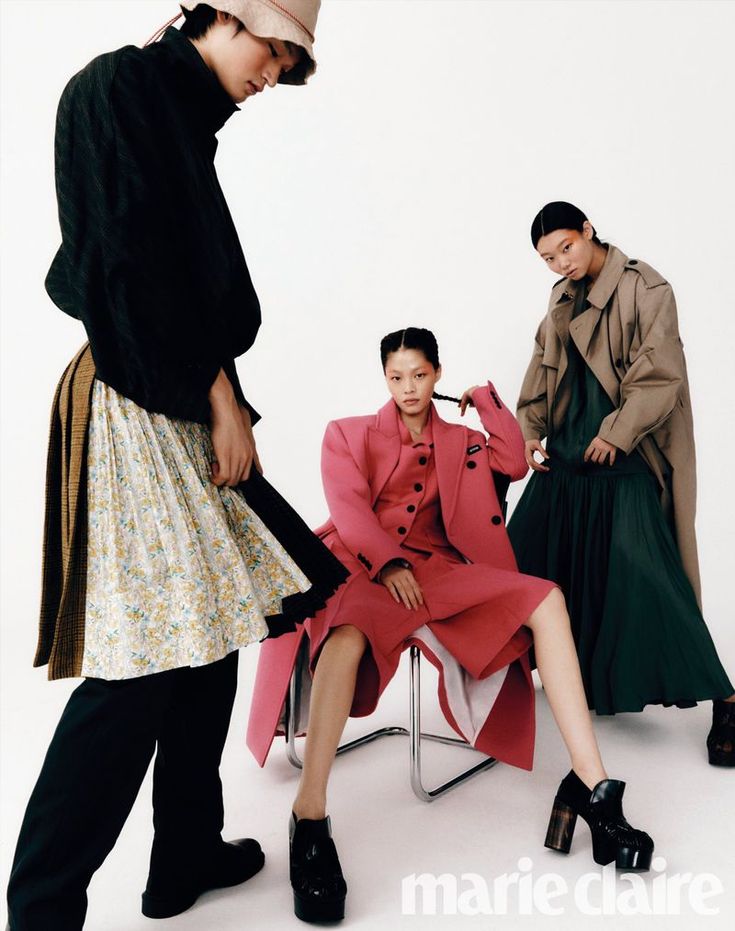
x: 471, y: 628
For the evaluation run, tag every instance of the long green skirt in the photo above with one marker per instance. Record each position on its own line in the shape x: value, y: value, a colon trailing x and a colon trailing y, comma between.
x: 602, y: 536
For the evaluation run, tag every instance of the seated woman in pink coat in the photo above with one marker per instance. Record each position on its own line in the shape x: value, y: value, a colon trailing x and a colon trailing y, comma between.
x: 416, y: 518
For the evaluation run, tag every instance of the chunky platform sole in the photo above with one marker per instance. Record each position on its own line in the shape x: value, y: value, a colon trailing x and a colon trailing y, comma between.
x: 314, y: 912
x: 721, y: 759
x: 560, y: 833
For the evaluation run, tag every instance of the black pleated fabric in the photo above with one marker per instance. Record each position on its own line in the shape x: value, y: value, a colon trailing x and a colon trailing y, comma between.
x: 325, y: 572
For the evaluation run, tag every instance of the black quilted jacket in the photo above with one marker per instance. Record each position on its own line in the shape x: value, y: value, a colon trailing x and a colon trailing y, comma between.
x: 150, y: 261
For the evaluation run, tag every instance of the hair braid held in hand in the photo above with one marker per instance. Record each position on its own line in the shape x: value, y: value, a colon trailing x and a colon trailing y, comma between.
x: 418, y: 338
x: 445, y: 397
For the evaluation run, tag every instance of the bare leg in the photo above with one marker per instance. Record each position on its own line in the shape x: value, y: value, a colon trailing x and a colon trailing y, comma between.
x: 558, y: 666
x: 332, y: 692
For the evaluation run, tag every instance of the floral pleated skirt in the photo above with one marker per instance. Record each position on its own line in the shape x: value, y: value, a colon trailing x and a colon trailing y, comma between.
x: 181, y: 572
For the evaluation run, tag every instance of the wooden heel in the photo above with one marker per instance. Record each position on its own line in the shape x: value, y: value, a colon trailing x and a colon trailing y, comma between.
x: 561, y: 827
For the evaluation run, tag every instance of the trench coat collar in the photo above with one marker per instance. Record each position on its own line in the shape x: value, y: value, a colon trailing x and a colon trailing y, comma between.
x: 608, y: 279
x: 209, y: 103
x: 449, y: 449
x: 582, y: 328
x: 586, y: 323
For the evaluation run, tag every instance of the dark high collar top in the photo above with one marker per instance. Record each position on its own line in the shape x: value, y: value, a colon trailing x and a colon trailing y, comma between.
x: 208, y: 103
x: 150, y: 260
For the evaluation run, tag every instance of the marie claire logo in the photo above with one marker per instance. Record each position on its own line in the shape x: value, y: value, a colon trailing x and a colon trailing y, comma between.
x: 604, y: 892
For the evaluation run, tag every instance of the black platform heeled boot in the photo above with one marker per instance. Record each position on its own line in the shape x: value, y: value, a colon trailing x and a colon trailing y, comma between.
x: 721, y: 738
x: 612, y: 837
x: 319, y: 888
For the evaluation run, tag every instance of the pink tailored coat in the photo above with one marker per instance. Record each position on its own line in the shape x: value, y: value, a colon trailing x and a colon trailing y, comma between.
x: 359, y: 455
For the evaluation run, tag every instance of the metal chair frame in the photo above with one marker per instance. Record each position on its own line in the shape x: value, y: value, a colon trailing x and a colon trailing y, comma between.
x: 413, y: 732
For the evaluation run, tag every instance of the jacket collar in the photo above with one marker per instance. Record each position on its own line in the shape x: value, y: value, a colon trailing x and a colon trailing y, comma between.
x: 427, y: 437
x: 209, y: 103
x: 449, y: 452
x: 388, y: 419
x: 608, y: 279
x: 583, y: 328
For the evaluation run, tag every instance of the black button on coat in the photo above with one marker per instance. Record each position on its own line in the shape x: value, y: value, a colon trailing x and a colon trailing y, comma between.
x: 150, y: 260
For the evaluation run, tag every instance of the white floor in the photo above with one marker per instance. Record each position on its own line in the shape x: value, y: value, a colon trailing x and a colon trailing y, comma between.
x: 384, y: 833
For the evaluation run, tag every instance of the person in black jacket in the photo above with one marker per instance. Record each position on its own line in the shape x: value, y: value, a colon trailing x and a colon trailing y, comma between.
x: 183, y: 566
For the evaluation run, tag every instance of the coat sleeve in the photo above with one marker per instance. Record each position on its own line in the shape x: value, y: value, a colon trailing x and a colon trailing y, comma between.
x: 347, y: 492
x: 532, y: 403
x: 126, y: 223
x: 655, y: 371
x: 505, y: 440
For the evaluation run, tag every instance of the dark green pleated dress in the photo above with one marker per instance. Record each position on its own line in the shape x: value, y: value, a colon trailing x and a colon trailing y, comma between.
x: 599, y: 531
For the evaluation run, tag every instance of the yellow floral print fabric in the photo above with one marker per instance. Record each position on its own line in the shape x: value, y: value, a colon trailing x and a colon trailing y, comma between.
x: 180, y: 572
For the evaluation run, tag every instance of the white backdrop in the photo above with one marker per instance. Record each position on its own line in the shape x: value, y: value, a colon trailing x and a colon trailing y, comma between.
x: 396, y: 189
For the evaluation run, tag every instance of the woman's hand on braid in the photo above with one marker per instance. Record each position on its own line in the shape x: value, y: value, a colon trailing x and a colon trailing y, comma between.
x: 466, y: 399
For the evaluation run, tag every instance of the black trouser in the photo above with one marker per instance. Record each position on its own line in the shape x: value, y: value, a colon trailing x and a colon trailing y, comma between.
x: 90, y: 778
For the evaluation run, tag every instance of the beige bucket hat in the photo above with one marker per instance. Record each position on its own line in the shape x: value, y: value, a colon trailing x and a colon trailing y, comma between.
x: 287, y: 20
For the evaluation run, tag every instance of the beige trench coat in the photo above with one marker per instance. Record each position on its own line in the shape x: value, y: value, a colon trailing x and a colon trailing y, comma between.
x: 629, y: 337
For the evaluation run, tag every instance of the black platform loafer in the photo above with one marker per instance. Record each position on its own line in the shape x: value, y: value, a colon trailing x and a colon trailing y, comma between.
x: 721, y: 738
x: 602, y: 808
x: 319, y: 888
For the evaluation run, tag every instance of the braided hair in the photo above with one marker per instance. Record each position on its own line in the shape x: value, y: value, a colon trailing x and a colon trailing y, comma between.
x: 559, y: 215
x: 418, y: 338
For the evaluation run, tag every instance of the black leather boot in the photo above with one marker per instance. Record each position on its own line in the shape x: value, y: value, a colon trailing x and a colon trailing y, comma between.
x: 319, y: 888
x: 170, y: 890
x: 612, y: 837
x: 721, y: 738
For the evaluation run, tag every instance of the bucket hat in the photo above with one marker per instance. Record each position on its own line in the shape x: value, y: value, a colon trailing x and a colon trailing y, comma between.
x: 288, y: 20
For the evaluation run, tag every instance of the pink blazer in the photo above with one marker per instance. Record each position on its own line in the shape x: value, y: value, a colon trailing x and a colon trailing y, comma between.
x: 358, y: 456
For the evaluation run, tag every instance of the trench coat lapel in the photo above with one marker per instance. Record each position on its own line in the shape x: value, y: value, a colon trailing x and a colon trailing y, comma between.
x: 555, y: 353
x: 590, y: 329
x: 608, y: 279
x: 589, y: 332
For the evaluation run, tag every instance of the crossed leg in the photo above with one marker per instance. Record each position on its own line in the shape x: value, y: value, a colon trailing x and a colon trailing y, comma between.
x: 334, y: 686
x: 332, y: 692
x: 558, y: 667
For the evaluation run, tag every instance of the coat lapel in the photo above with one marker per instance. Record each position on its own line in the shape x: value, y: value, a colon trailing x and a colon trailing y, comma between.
x: 608, y: 279
x: 450, y: 446
x: 384, y: 448
x: 589, y: 329
x: 384, y: 442
x: 555, y: 353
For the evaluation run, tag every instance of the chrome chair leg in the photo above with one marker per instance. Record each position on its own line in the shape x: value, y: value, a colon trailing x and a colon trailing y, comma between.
x: 413, y: 732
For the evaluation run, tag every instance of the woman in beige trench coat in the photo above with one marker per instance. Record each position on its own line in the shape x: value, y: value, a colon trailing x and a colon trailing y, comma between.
x: 609, y: 511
